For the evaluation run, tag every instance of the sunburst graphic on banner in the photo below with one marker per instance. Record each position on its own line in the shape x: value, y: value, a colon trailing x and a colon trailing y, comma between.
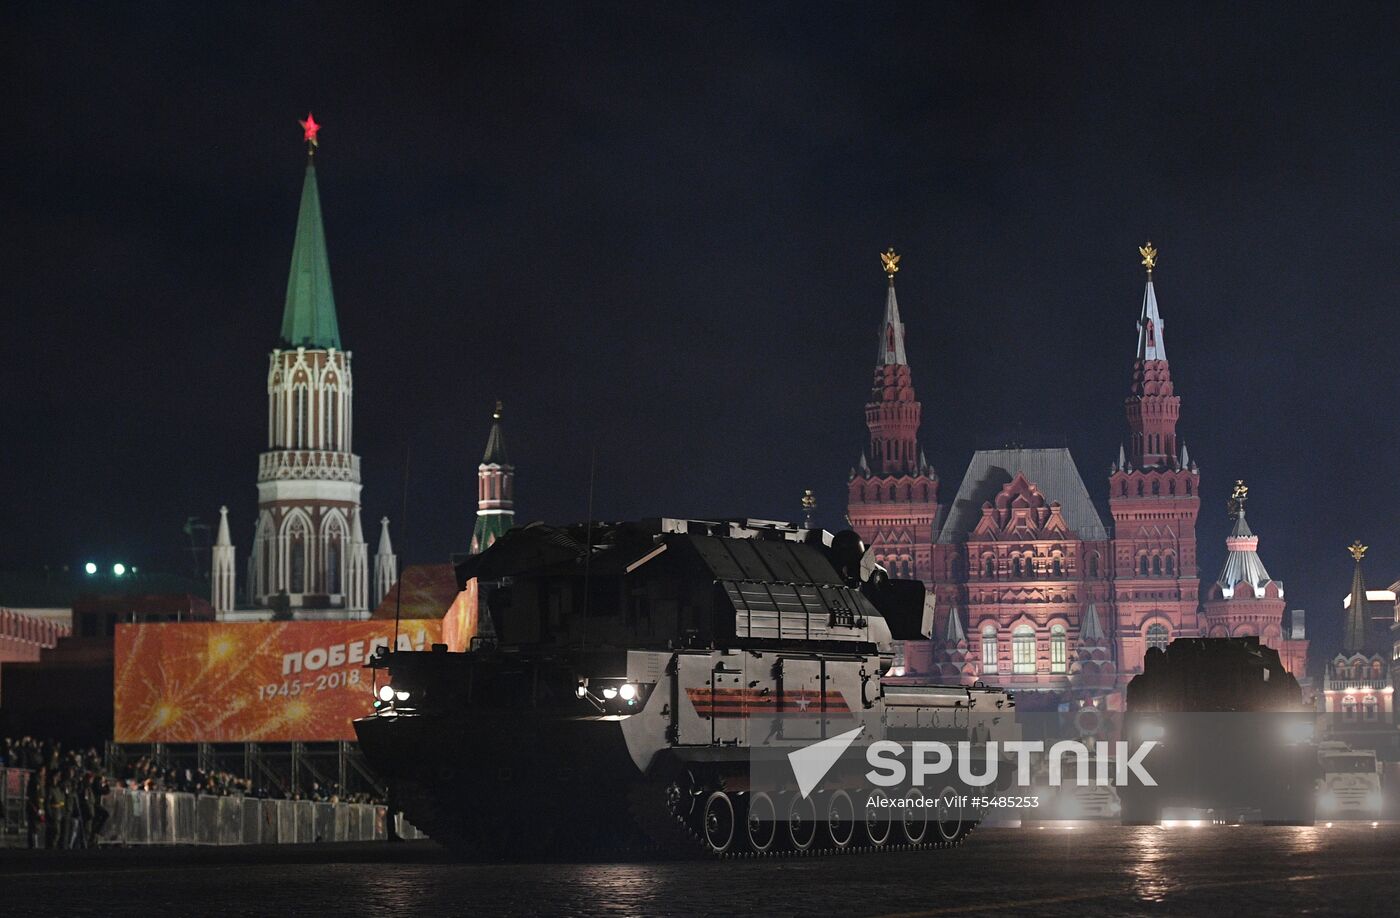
x: 184, y: 682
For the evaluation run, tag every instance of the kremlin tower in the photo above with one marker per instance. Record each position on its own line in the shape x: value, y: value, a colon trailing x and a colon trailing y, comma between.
x: 893, y: 492
x: 495, y: 489
x: 1154, y: 498
x: 309, y: 557
x: 1359, y: 687
x: 1032, y: 588
x: 1245, y: 600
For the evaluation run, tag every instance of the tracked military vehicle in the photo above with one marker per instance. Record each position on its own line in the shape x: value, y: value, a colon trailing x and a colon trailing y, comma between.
x: 1235, y: 741
x: 631, y: 672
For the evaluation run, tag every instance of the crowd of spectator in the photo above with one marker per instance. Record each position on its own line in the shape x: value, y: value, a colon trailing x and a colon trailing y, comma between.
x: 65, y: 789
x: 63, y: 796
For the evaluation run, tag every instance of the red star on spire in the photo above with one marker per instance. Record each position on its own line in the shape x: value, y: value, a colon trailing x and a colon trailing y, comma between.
x: 310, y: 127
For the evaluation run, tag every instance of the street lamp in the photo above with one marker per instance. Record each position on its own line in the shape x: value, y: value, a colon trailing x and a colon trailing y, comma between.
x: 90, y: 567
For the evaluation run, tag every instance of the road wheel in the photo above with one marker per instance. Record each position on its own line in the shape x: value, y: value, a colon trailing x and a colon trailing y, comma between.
x: 761, y: 824
x: 680, y: 796
x: 914, y: 821
x: 948, y: 818
x: 879, y: 820
x: 840, y: 819
x: 719, y: 822
x: 802, y: 822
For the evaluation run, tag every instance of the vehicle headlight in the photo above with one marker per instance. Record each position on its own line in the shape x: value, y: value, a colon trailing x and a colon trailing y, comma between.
x: 401, y: 696
x: 1151, y: 732
x: 1299, y: 732
x: 386, y: 693
x: 628, y: 691
x: 610, y: 693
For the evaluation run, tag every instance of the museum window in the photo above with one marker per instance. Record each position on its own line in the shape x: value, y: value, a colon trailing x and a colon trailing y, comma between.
x: 1157, y: 565
x: 1058, y: 652
x: 1142, y: 565
x: 989, y: 568
x: 1158, y: 636
x: 1369, y: 709
x: 1169, y: 563
x: 1093, y: 565
x: 1023, y: 650
x: 989, y: 649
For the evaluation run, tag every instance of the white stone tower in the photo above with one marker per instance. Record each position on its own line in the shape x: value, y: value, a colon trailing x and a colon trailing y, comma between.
x: 386, y: 564
x: 309, y: 552
x: 222, y: 579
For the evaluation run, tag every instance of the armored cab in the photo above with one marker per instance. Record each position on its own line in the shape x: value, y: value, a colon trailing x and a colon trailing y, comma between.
x: 628, y: 675
x: 1234, y: 740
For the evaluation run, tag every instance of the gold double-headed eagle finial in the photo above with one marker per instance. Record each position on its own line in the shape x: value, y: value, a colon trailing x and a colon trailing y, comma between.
x: 1149, y: 256
x: 1238, y: 495
x: 496, y: 415
x: 809, y: 500
x: 1358, y: 551
x: 890, y: 261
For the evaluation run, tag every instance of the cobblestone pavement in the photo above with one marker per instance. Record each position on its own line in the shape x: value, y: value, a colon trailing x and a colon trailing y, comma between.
x: 1347, y: 870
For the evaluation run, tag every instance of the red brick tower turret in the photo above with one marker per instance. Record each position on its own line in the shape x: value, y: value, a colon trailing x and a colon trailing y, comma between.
x: 893, y: 492
x: 1154, y: 496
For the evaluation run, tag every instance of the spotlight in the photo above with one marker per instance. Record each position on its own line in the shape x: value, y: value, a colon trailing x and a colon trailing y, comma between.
x: 90, y: 567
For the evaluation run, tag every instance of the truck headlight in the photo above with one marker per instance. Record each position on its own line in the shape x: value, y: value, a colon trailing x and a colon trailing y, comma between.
x: 386, y: 693
x: 628, y: 691
x: 1151, y: 731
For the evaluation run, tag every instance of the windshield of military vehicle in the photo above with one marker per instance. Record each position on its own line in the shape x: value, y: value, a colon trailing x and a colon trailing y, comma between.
x: 1348, y: 764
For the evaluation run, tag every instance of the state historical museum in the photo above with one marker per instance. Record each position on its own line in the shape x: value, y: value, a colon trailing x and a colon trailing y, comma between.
x: 1032, y: 587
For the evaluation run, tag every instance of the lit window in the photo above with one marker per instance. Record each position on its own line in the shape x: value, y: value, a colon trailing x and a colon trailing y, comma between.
x: 1058, y: 654
x: 1158, y: 637
x: 989, y: 649
x: 1023, y: 650
x: 1369, y: 708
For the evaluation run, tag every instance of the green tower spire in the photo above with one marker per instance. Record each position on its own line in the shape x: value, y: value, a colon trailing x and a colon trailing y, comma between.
x: 309, y: 317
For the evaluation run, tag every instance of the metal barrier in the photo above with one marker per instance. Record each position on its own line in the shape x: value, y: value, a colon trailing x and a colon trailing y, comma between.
x: 14, y: 783
x: 138, y: 817
x: 169, y: 818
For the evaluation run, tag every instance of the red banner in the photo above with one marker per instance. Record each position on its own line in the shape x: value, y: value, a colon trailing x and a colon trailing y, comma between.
x: 235, y: 682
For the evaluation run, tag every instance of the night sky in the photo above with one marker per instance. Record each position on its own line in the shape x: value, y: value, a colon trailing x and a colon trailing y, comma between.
x: 652, y: 230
